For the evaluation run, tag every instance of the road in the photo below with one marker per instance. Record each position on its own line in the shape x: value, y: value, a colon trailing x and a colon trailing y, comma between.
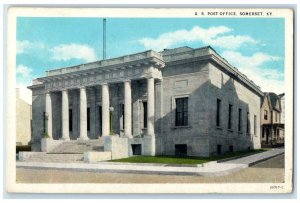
x: 270, y: 171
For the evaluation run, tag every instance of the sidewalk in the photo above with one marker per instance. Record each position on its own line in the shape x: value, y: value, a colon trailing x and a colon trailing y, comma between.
x: 209, y: 169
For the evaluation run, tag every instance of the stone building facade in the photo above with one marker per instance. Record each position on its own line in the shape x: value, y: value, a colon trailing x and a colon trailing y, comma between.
x: 183, y: 101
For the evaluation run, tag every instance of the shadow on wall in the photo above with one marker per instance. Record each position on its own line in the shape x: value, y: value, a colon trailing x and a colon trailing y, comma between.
x: 210, y: 130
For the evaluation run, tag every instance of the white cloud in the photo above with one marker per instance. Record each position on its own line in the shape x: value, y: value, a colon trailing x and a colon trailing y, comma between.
x: 22, y: 45
x: 231, y: 41
x: 215, y: 36
x: 254, y: 67
x: 26, y: 46
x: 23, y: 70
x: 257, y: 59
x: 65, y: 52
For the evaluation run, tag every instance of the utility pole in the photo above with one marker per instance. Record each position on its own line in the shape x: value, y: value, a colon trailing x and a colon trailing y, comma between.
x: 104, y: 39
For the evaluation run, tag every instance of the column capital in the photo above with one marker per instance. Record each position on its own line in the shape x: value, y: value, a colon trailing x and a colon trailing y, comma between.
x: 64, y: 90
x: 104, y: 84
x: 127, y: 80
x: 148, y: 77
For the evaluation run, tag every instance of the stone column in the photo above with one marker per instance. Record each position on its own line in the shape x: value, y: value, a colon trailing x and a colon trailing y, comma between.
x: 150, y: 106
x: 49, y: 114
x: 83, y: 114
x: 105, y: 110
x: 65, y: 115
x: 127, y: 109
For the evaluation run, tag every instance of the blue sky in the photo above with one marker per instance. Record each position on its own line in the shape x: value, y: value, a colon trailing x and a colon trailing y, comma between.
x: 255, y: 46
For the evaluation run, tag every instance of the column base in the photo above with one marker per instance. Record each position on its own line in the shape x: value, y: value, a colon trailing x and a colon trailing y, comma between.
x: 149, y: 145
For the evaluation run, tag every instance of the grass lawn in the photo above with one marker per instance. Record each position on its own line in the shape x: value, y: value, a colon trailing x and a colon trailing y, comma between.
x: 184, y: 160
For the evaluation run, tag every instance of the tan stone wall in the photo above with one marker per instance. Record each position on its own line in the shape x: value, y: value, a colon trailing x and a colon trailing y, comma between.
x: 23, y: 121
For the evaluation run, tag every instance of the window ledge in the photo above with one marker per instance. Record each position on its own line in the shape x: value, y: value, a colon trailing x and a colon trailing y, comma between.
x: 219, y: 128
x: 230, y: 130
x: 181, y: 127
x: 240, y: 132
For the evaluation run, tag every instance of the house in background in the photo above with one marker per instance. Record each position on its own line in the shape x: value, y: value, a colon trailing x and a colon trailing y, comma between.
x: 272, y: 127
x: 24, y: 117
x: 282, y: 102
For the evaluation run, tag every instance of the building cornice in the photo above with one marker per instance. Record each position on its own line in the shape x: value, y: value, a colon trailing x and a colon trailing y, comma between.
x: 207, y: 53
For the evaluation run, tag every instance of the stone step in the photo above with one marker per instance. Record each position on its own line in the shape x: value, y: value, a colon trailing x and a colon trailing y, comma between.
x: 55, y: 158
x: 73, y: 147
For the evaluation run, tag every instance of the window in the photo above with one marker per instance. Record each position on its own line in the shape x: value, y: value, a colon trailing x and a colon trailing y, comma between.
x: 122, y: 115
x: 219, y: 149
x: 44, y: 121
x: 248, y: 123
x: 181, y: 117
x: 70, y: 120
x: 136, y: 149
x: 263, y: 132
x: 218, y: 112
x: 229, y: 116
x: 255, y: 127
x: 88, y: 119
x: 100, y: 118
x: 240, y: 120
x: 145, y: 116
x: 266, y: 115
x: 230, y: 148
x: 180, y: 150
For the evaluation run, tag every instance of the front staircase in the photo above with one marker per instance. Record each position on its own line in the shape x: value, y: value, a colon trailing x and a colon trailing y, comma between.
x: 78, y: 147
x: 55, y: 158
x: 70, y: 151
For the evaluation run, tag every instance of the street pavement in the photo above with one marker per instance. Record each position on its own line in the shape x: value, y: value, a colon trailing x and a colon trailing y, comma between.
x: 209, y: 169
x: 269, y: 171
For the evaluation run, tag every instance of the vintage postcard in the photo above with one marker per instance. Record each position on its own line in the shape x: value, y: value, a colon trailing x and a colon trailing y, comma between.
x: 144, y: 100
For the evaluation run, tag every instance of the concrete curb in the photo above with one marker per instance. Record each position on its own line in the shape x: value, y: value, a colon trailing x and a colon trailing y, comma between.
x: 264, y: 159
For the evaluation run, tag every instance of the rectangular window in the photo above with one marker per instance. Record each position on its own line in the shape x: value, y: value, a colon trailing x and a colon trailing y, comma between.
x: 70, y: 120
x: 181, y: 117
x: 218, y: 112
x: 240, y: 120
x: 219, y: 149
x: 248, y: 122
x: 229, y: 116
x: 266, y: 115
x: 122, y: 115
x: 88, y: 119
x: 44, y: 121
x: 100, y: 118
x: 180, y: 150
x: 255, y: 127
x: 145, y: 116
